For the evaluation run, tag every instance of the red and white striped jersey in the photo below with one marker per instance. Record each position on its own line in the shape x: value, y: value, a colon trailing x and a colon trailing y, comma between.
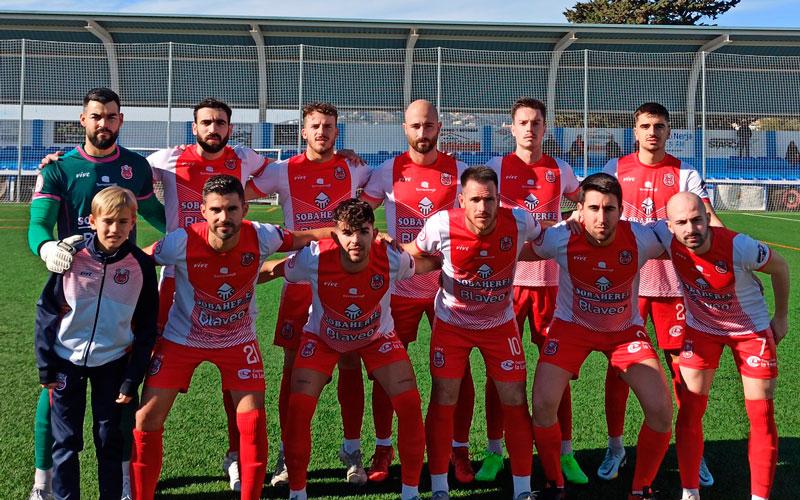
x: 645, y: 192
x: 597, y: 285
x: 412, y: 193
x: 538, y: 188
x: 309, y: 191
x: 721, y: 293
x: 215, y: 300
x: 348, y: 310
x: 477, y: 271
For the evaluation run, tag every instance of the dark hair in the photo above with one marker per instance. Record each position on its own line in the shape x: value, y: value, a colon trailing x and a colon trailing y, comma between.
x: 528, y: 102
x: 354, y: 213
x: 101, y: 95
x: 210, y: 102
x: 602, y: 183
x: 222, y: 185
x: 651, y: 108
x: 320, y: 107
x: 479, y: 173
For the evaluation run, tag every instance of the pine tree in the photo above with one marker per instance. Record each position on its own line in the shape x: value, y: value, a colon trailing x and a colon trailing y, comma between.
x: 680, y: 12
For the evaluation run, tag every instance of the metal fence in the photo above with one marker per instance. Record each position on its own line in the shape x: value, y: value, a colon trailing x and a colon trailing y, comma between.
x: 736, y: 118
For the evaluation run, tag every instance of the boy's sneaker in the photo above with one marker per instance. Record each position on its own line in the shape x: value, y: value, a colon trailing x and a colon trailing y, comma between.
x: 462, y: 465
x: 609, y: 469
x: 706, y: 479
x: 381, y: 460
x: 572, y: 471
x: 126, y: 488
x: 355, y: 470
x: 491, y: 466
x: 281, y: 475
x: 230, y: 468
x: 440, y: 495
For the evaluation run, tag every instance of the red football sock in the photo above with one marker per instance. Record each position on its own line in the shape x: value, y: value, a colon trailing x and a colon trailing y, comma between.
x: 230, y: 413
x: 689, y: 437
x: 283, y: 400
x: 762, y: 449
x: 548, y: 444
x: 381, y: 412
x: 297, y: 446
x: 410, y: 435
x: 253, y: 452
x: 494, y: 412
x: 439, y: 436
x: 616, y: 402
x: 519, y: 438
x: 464, y: 408
x: 146, y: 457
x: 565, y: 415
x: 351, y: 401
x: 650, y: 451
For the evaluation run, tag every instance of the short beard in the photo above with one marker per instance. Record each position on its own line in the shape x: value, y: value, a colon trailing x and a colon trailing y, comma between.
x: 208, y: 148
x: 102, y: 143
x: 422, y: 149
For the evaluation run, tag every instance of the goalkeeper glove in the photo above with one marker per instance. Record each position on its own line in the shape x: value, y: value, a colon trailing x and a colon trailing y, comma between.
x: 57, y: 255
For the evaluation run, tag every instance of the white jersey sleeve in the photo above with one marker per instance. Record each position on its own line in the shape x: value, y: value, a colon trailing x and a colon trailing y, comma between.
x: 429, y: 239
x: 692, y: 181
x: 158, y: 161
x: 649, y: 245
x: 529, y: 227
x: 171, y: 249
x: 380, y: 181
x: 401, y: 264
x: 663, y: 234
x: 274, y: 179
x: 270, y: 238
x: 752, y: 255
x: 360, y: 174
x: 569, y: 183
x: 552, y: 241
x: 610, y: 167
x: 302, y: 266
x: 252, y: 162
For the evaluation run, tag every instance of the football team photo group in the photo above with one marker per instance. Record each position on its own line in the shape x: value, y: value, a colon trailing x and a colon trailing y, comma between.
x: 483, y: 253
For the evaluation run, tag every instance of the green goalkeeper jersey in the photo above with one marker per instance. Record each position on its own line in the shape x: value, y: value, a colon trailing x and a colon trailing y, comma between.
x: 64, y: 192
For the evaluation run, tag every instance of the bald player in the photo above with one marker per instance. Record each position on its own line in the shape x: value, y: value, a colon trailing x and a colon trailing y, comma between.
x: 725, y: 307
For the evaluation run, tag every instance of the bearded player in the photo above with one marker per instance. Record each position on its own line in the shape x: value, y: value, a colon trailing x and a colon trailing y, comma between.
x: 536, y: 182
x: 649, y: 177
x: 309, y: 185
x: 725, y: 307
x: 414, y: 186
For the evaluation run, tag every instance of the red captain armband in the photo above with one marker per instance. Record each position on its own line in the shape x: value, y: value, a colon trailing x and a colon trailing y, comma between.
x: 288, y: 240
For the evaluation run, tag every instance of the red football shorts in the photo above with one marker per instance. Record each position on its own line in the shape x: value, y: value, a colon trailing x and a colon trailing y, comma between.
x: 669, y: 319
x: 315, y: 354
x: 292, y: 315
x: 173, y: 365
x: 754, y: 354
x: 568, y: 344
x: 500, y: 347
x: 166, y: 296
x: 537, y: 305
x: 406, y: 313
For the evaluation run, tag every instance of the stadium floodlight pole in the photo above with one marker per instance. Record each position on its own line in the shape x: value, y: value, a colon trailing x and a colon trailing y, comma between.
x: 21, y: 118
x: 703, y: 118
x: 585, y: 112
x: 439, y: 80
x: 300, y: 102
x: 169, y: 96
x: 408, y: 67
x: 258, y: 37
x: 108, y: 44
x: 552, y: 74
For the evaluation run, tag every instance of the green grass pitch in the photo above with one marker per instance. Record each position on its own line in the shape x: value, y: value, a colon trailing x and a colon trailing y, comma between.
x: 196, y: 439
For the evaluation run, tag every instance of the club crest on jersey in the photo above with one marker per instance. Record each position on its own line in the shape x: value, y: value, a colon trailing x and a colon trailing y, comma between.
x: 287, y: 331
x: 688, y: 349
x: 602, y: 283
x: 484, y: 271
x: 126, y: 172
x: 308, y: 349
x: 721, y: 267
x: 550, y: 176
x: 634, y: 347
x: 61, y: 381
x: 676, y: 331
x: 230, y: 164
x: 353, y: 311
x: 376, y: 282
x: 531, y: 202
x: 225, y: 291
x: 322, y: 200
x: 155, y: 365
x: 625, y: 257
x: 648, y: 206
x: 668, y: 180
x: 425, y: 206
x: 248, y: 258
x: 506, y: 242
x: 446, y: 179
x: 437, y: 357
x: 339, y: 173
x: 121, y: 276
x: 551, y: 347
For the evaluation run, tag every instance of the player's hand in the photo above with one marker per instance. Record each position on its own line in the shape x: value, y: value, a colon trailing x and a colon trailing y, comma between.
x: 57, y: 255
x: 51, y: 158
x: 352, y: 157
x: 123, y: 399
x: 390, y: 241
x: 575, y: 223
x: 780, y: 327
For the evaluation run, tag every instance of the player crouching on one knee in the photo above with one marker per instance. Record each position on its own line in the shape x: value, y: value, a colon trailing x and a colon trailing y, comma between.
x: 96, y: 323
x: 351, y: 277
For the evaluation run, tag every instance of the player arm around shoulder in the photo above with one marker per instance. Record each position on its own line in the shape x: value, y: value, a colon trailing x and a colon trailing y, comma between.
x: 778, y: 270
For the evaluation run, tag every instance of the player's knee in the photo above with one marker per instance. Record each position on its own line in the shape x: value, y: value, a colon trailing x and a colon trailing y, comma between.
x: 659, y: 415
x: 149, y: 419
x: 445, y: 391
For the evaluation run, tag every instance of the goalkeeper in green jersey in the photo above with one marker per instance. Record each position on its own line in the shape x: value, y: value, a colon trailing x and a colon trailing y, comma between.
x: 63, y: 197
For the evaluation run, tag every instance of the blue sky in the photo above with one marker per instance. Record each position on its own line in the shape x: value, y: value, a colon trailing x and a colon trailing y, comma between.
x: 749, y: 13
